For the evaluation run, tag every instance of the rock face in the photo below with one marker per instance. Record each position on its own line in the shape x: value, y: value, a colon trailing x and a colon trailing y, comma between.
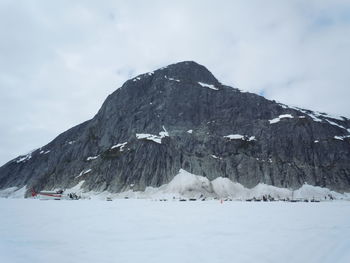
x: 181, y: 116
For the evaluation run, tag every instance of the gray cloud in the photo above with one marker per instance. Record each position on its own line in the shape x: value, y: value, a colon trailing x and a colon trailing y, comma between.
x: 59, y: 60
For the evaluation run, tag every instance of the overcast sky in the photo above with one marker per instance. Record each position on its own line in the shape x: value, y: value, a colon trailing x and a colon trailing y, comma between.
x: 60, y: 59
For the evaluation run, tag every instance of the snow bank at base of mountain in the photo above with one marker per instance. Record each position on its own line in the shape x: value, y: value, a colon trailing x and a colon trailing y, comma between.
x: 75, y: 189
x: 318, y: 192
x: 224, y: 187
x: 263, y: 189
x: 13, y: 192
x: 188, y: 185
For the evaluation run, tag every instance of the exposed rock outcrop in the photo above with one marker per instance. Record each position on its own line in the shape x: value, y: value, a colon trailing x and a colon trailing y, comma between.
x: 181, y: 116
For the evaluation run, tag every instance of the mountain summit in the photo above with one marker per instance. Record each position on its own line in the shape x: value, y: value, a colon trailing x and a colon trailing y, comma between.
x: 182, y: 117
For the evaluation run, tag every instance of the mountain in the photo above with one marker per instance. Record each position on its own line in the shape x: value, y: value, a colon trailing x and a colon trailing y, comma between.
x: 182, y: 117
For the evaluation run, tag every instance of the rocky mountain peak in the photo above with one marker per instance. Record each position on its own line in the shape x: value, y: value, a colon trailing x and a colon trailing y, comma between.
x: 189, y: 71
x: 181, y: 117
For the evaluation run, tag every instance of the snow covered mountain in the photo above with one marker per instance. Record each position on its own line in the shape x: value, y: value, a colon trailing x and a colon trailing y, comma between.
x: 182, y: 117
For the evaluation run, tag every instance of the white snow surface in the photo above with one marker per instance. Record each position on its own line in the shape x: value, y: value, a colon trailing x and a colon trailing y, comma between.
x: 152, y: 137
x: 251, y: 138
x: 283, y: 116
x: 138, y: 230
x: 240, y: 137
x: 149, y: 137
x: 185, y: 184
x: 120, y: 146
x: 147, y: 231
x: 313, y: 114
x: 13, y: 192
x: 210, y: 86
x: 90, y: 158
x: 164, y: 133
x: 188, y: 185
x: 234, y: 137
x: 76, y: 189
x: 224, y: 187
x: 318, y: 116
x: 83, y: 173
x: 331, y: 116
x: 215, y: 157
x: 335, y: 124
x: 25, y: 157
x: 341, y: 137
x: 177, y: 80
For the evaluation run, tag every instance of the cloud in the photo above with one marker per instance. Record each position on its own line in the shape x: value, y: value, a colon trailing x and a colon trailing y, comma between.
x: 59, y: 61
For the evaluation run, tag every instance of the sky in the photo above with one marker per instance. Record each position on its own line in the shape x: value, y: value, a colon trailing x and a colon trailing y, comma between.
x: 59, y: 60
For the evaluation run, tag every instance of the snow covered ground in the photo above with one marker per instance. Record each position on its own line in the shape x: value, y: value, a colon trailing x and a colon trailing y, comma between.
x: 188, y: 185
x: 135, y: 230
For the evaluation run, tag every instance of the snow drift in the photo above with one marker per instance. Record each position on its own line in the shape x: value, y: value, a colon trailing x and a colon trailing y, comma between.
x: 188, y: 185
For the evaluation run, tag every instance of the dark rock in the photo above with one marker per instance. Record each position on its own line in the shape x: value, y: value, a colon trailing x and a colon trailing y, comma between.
x: 283, y: 154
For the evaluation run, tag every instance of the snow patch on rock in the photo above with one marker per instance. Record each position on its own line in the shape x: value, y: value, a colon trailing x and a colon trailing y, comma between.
x: 317, y: 116
x: 164, y: 133
x: 177, y: 80
x: 24, y: 158
x: 120, y: 146
x: 90, y: 158
x: 83, y: 173
x: 149, y: 137
x: 341, y: 137
x: 283, y: 116
x: 331, y: 116
x: 210, y: 86
x: 240, y: 137
x: 336, y: 124
x: 152, y: 137
x: 234, y: 137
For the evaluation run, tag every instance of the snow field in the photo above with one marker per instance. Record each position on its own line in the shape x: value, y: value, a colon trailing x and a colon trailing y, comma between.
x: 151, y: 231
x: 188, y: 185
